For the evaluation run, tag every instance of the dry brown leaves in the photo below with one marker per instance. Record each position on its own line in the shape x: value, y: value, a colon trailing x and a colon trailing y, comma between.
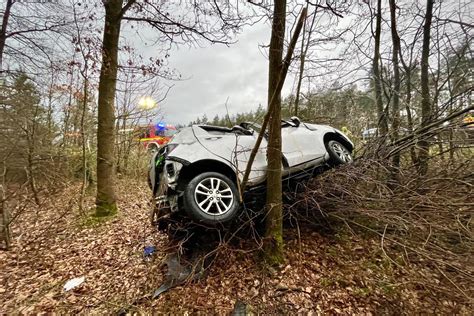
x: 53, y: 246
x: 336, y: 274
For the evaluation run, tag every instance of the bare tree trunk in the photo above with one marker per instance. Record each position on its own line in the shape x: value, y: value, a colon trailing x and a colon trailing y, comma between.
x: 85, y: 168
x: 281, y: 81
x: 30, y: 130
x: 106, y: 201
x: 304, y: 52
x: 273, y: 246
x: 49, y: 115
x: 409, y: 68
x: 67, y: 113
x: 425, y: 90
x: 300, y: 74
x: 5, y: 215
x: 408, y: 109
x: 5, y: 234
x: 3, y: 30
x: 396, y: 84
x: 381, y: 115
x: 118, y: 149
x: 450, y: 133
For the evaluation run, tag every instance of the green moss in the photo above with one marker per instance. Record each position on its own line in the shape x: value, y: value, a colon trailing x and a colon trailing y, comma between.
x: 326, y: 282
x: 388, y: 289
x: 93, y: 221
x: 342, y: 235
x: 273, y: 254
x: 333, y: 252
x: 104, y: 209
x: 102, y: 214
x: 362, y: 292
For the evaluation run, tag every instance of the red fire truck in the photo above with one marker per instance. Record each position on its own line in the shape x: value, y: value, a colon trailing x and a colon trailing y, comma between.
x: 154, y: 136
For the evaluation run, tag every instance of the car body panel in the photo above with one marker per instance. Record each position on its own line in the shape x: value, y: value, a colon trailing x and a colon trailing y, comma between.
x: 195, y: 144
x: 301, y: 145
x: 303, y: 148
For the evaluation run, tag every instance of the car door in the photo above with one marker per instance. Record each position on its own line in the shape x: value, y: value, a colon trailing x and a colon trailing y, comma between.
x: 243, y: 149
x: 300, y: 145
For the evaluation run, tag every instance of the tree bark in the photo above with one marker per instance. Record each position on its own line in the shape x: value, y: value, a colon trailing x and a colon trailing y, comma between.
x: 30, y: 130
x: 4, y: 213
x: 3, y: 30
x: 381, y: 115
x: 423, y: 153
x: 106, y: 201
x: 5, y: 234
x: 85, y: 168
x: 304, y: 52
x: 276, y: 92
x: 396, y: 84
x: 300, y: 73
x: 273, y: 245
x: 408, y: 109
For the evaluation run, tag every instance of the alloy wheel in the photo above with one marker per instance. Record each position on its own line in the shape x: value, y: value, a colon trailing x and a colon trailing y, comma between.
x: 213, y: 196
x: 341, y: 152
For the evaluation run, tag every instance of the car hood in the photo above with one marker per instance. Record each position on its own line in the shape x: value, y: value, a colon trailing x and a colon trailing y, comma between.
x: 194, y: 143
x: 184, y: 136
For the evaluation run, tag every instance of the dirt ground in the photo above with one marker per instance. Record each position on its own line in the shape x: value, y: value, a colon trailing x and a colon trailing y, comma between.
x: 336, y: 272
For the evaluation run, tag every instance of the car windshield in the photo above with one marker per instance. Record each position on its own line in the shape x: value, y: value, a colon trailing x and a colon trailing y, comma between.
x: 170, y: 132
x: 216, y: 130
x: 251, y: 125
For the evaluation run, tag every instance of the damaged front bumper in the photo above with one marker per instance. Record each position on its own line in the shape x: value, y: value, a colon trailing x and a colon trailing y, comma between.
x: 167, y: 193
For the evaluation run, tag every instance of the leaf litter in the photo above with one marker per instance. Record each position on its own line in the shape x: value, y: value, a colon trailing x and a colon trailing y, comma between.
x: 322, y: 274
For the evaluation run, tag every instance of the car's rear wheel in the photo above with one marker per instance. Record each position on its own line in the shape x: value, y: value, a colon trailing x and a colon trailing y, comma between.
x: 338, y: 153
x: 211, y: 198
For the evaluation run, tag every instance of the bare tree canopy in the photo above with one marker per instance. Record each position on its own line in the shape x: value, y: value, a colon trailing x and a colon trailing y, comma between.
x: 236, y: 157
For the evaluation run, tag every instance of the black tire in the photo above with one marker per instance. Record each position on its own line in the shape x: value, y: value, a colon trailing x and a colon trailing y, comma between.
x: 212, y: 216
x: 338, y: 153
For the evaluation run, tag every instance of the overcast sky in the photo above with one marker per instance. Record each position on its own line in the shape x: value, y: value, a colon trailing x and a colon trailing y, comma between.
x: 217, y: 72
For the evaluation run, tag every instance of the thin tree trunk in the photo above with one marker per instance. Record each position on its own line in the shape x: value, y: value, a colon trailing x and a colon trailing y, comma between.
x: 85, y: 169
x: 106, y: 200
x: 118, y: 147
x: 273, y: 245
x: 4, y: 222
x: 5, y: 215
x: 425, y: 90
x: 304, y: 52
x: 381, y: 115
x: 408, y: 109
x: 67, y: 113
x: 49, y: 117
x: 30, y: 168
x: 450, y: 133
x: 396, y: 83
x: 281, y: 81
x: 3, y: 30
x: 409, y: 68
x: 300, y: 74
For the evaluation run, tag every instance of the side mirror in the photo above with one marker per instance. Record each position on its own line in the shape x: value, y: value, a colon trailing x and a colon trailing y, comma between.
x: 296, y: 121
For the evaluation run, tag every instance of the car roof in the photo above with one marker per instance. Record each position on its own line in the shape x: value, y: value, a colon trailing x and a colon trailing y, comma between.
x: 210, y: 128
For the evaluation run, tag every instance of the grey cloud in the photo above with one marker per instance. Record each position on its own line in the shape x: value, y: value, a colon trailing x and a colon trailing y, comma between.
x: 216, y: 72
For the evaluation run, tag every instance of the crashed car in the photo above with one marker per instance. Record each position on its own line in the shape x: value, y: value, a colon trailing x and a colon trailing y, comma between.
x: 199, y: 171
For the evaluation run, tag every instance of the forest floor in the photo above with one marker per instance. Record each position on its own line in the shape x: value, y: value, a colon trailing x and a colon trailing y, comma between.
x: 331, y: 273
